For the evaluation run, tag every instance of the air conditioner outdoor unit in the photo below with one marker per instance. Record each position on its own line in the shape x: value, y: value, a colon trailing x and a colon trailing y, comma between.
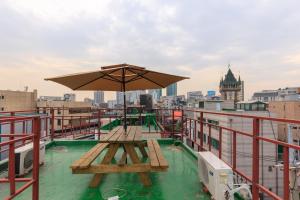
x: 24, y: 158
x: 215, y: 174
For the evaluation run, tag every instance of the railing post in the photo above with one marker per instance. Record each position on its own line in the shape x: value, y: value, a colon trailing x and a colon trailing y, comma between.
x: 182, y: 129
x: 220, y: 142
x: 209, y: 137
x: 190, y: 129
x: 46, y: 125
x: 173, y: 119
x: 234, y: 151
x: 62, y: 122
x: 52, y: 123
x: 255, y: 159
x: 11, y: 160
x: 201, y: 131
x: 80, y: 124
x: 99, y: 124
x: 36, y: 157
x: 286, y: 181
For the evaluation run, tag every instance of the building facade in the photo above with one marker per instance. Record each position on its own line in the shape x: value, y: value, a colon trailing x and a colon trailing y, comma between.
x: 156, y: 94
x: 132, y: 97
x: 265, y: 95
x: 17, y: 100
x: 98, y: 97
x: 63, y: 110
x: 69, y: 97
x: 194, y: 95
x: 231, y: 88
x: 270, y: 176
x: 172, y: 90
x: 286, y: 110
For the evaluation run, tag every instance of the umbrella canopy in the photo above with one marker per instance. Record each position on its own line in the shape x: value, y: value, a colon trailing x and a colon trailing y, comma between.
x: 121, y: 77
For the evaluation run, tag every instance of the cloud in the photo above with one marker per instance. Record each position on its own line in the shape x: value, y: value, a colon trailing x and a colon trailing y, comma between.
x: 192, y: 38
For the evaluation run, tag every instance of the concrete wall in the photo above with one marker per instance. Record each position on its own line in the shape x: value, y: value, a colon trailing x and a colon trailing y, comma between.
x: 286, y: 110
x: 17, y: 100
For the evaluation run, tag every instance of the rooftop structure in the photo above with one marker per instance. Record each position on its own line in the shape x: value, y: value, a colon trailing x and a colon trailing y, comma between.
x: 231, y: 88
x: 194, y: 95
x: 69, y: 97
x: 246, y: 141
x: 252, y: 105
x: 281, y: 94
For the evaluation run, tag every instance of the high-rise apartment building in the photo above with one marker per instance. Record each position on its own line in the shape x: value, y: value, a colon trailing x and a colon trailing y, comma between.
x: 172, y: 90
x: 98, y: 97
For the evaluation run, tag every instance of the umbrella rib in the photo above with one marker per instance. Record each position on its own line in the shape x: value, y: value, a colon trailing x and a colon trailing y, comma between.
x: 149, y: 80
x: 104, y: 74
x: 137, y: 77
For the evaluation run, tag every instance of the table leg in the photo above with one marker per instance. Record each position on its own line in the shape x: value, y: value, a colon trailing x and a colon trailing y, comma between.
x: 144, y: 177
x: 142, y: 149
x: 112, y: 150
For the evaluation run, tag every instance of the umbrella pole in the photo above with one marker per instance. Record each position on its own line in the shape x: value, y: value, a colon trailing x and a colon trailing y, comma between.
x: 125, y: 118
x: 124, y: 96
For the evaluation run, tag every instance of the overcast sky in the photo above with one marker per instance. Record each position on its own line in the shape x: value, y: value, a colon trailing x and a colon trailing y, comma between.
x: 45, y: 38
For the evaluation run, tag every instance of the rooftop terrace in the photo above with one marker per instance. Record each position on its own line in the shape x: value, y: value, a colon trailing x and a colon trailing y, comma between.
x: 237, y: 138
x: 57, y: 182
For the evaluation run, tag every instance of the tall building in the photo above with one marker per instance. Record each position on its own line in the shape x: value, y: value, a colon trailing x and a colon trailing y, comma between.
x: 172, y: 90
x: 17, y: 100
x: 231, y: 88
x: 98, y: 97
x: 156, y: 94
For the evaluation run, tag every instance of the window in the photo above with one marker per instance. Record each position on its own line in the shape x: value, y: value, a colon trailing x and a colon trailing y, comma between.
x: 215, y: 143
x: 204, y: 138
x: 59, y: 122
x: 280, y: 152
x: 58, y: 111
x: 2, y: 97
x: 214, y: 124
x: 270, y: 168
x: 2, y: 109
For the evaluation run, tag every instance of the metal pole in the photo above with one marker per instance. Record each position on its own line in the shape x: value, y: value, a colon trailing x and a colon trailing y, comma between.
x: 201, y: 131
x: 182, y: 129
x: 52, y: 123
x: 255, y: 159
x: 286, y: 165
x: 220, y: 142
x: 36, y: 158
x: 234, y: 151
x: 11, y: 160
x: 124, y: 97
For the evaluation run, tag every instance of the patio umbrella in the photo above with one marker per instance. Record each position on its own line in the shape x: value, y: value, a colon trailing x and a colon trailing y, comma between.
x: 121, y: 77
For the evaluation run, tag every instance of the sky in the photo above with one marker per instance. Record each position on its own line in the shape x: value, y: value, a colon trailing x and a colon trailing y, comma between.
x: 195, y: 38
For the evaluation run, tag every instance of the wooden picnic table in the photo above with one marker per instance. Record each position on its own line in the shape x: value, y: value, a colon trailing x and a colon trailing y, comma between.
x: 114, y: 140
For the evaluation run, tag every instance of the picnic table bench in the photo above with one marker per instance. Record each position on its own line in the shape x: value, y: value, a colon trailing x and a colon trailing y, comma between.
x: 115, y: 139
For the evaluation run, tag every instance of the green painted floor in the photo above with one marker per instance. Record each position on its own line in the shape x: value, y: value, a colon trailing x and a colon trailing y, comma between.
x: 181, y: 182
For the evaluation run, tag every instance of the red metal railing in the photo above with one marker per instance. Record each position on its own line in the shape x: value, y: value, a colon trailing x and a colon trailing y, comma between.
x: 182, y: 127
x: 13, y: 139
x: 256, y: 138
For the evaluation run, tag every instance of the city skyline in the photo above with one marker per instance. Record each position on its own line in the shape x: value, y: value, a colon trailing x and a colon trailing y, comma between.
x: 258, y: 38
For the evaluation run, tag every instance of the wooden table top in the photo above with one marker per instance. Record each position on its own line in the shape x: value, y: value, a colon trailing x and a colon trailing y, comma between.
x: 118, y: 135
